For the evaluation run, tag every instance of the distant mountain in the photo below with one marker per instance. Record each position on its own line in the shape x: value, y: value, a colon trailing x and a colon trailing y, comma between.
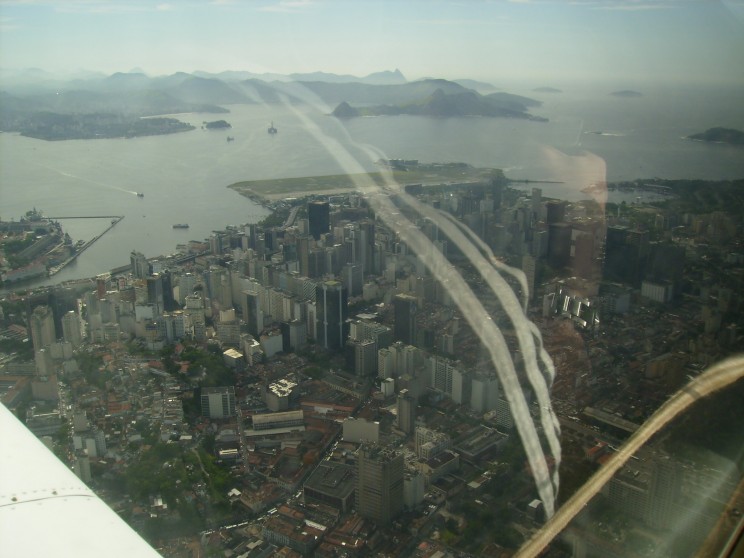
x: 444, y: 105
x: 479, y: 86
x: 125, y: 82
x: 377, y: 78
x: 202, y: 90
x: 365, y: 94
x: 720, y: 135
x: 118, y: 98
x: 626, y: 93
x: 259, y: 91
x: 136, y: 103
x: 385, y: 78
x: 547, y: 90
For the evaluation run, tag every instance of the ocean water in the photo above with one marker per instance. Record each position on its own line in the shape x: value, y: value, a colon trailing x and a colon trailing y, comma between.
x: 591, y: 137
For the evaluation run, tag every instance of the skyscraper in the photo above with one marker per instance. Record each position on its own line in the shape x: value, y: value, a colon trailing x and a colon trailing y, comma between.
x: 406, y: 411
x: 332, y: 312
x: 529, y: 266
x: 71, y: 328
x: 253, y: 313
x: 141, y: 268
x: 362, y: 356
x: 405, y: 307
x: 379, y: 493
x: 319, y: 218
x: 43, y: 332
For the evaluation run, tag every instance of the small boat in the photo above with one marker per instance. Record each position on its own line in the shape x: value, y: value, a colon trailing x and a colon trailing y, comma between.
x: 140, y: 195
x: 271, y: 129
x: 230, y: 138
x: 181, y: 226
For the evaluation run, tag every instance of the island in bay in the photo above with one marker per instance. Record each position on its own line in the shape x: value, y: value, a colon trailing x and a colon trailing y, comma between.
x: 453, y: 104
x: 134, y: 104
x: 217, y: 125
x: 720, y: 135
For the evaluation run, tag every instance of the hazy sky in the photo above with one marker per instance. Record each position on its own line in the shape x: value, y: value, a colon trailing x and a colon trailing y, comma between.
x: 548, y: 41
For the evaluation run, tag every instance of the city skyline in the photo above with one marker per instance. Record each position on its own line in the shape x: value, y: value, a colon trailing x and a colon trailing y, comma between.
x: 538, y: 41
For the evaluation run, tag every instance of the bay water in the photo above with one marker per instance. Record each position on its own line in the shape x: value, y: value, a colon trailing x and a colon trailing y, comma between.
x: 591, y: 137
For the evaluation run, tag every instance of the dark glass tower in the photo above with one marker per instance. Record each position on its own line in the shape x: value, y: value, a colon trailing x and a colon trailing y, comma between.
x: 405, y: 318
x: 319, y: 218
x: 331, y: 299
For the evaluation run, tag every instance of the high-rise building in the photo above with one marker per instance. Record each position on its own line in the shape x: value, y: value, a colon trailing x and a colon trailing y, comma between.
x: 218, y: 402
x: 141, y: 268
x: 379, y: 489
x: 406, y: 411
x: 82, y: 466
x: 186, y: 284
x: 559, y: 244
x: 556, y: 211
x: 405, y: 307
x: 332, y: 313
x: 362, y: 356
x: 253, y: 313
x: 529, y: 266
x: 160, y: 292
x: 484, y: 393
x: 367, y: 244
x: 294, y: 335
x: 71, y: 328
x: 319, y: 218
x: 353, y: 278
x: 536, y: 204
x: 664, y: 491
x: 448, y: 378
x: 43, y: 333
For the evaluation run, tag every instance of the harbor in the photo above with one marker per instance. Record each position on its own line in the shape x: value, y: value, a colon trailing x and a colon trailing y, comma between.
x: 37, y: 246
x: 114, y: 220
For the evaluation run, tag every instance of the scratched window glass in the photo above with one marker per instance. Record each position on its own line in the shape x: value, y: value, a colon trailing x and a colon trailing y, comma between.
x: 410, y: 278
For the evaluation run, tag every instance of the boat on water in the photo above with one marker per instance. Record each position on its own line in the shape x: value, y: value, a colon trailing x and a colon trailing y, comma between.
x: 181, y: 226
x: 230, y: 138
x: 271, y: 129
x: 140, y: 195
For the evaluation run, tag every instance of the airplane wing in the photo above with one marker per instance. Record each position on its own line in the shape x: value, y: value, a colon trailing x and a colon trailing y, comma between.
x: 45, y: 510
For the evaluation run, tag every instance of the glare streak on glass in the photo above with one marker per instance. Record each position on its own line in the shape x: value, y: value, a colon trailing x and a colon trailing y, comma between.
x: 466, y: 300
x: 525, y: 329
x: 713, y: 379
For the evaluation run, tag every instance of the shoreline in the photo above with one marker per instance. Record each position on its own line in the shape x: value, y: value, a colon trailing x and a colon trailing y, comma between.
x: 430, y: 174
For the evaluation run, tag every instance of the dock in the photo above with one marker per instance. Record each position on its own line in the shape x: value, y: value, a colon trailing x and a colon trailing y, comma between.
x: 114, y: 220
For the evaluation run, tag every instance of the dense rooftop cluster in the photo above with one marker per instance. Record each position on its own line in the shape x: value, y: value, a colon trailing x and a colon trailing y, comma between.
x: 308, y: 387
